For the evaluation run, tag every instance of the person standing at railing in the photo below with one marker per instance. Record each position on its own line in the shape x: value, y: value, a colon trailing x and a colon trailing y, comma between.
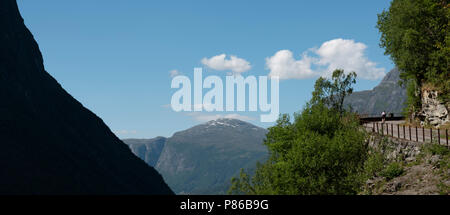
x: 383, y: 116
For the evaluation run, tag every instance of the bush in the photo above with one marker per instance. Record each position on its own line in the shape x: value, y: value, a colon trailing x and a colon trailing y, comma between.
x: 393, y: 170
x: 435, y: 149
x: 374, y: 164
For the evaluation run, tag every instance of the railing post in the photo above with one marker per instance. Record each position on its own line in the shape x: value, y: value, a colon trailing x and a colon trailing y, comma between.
x: 439, y: 136
x: 398, y: 131
x: 409, y: 127
x: 431, y: 135
x: 417, y: 136
x: 392, y: 130
x: 423, y: 134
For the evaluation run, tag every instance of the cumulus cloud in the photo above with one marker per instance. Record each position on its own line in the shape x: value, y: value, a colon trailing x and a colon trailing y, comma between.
x: 334, y: 54
x: 283, y: 65
x: 221, y: 63
x: 348, y: 55
x: 174, y: 73
x: 201, y: 117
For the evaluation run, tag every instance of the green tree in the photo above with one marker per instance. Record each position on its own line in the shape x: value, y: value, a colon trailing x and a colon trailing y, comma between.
x: 332, y: 93
x: 321, y: 152
x: 415, y: 34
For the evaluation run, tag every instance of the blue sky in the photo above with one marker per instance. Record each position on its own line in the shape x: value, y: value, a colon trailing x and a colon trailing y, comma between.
x: 115, y: 56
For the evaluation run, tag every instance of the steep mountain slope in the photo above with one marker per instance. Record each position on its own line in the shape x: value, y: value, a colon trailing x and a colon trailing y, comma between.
x: 147, y: 150
x: 388, y: 96
x: 50, y: 143
x: 202, y: 159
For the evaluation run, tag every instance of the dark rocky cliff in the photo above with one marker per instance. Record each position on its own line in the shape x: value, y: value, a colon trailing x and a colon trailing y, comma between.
x: 50, y: 143
x: 148, y: 150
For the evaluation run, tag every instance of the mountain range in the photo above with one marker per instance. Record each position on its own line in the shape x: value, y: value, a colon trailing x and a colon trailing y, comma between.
x: 50, y: 143
x: 204, y: 158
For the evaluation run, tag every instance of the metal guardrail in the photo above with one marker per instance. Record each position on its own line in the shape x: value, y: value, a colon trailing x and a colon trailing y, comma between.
x: 379, y: 119
x: 417, y: 134
x: 366, y: 118
x: 378, y: 115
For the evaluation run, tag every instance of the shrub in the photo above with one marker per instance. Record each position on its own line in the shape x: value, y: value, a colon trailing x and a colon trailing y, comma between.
x: 374, y: 164
x: 435, y: 149
x: 392, y: 170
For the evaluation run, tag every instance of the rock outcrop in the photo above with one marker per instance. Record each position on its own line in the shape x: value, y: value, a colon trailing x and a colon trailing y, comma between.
x: 425, y: 169
x: 434, y: 112
x: 148, y: 150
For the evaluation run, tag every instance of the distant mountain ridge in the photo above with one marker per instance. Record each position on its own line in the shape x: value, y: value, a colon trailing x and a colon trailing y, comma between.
x: 148, y: 150
x: 204, y: 158
x: 388, y: 96
x: 51, y: 144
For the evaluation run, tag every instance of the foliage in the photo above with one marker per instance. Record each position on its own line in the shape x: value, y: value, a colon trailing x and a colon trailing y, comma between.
x: 242, y: 185
x: 392, y: 170
x: 374, y: 164
x: 321, y: 152
x: 413, y: 102
x: 435, y: 149
x: 415, y: 33
x: 333, y: 92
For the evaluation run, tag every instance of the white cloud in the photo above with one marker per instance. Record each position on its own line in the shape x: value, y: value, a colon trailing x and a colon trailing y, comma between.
x: 174, y: 73
x: 201, y: 117
x: 334, y: 54
x: 283, y: 65
x: 350, y: 56
x: 220, y: 63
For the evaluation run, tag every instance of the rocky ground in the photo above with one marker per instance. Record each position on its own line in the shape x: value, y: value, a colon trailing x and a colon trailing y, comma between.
x: 409, y: 169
